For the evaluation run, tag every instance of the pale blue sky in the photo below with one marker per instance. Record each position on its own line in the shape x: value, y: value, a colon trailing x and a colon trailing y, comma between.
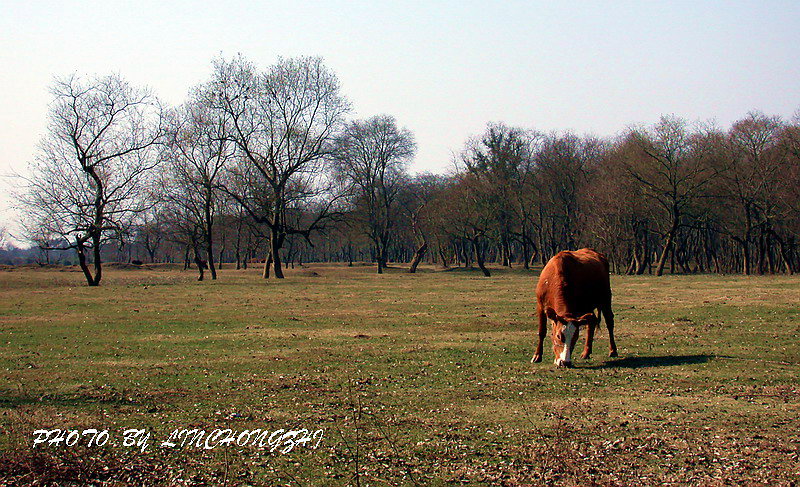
x: 443, y: 69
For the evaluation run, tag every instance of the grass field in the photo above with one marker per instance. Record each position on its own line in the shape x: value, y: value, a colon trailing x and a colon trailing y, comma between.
x: 415, y: 379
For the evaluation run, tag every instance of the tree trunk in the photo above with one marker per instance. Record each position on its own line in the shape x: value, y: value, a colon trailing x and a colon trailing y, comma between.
x: 645, y: 265
x: 641, y: 253
x: 267, y: 264
x: 662, y: 261
x: 248, y: 252
x: 98, y: 263
x: 186, y: 258
x: 210, y: 253
x: 745, y: 244
x: 525, y: 254
x: 632, y: 265
x: 277, y: 241
x: 479, y: 257
x: 198, y: 262
x: 221, y: 253
x: 443, y: 257
x: 82, y: 262
x: 785, y: 256
x: 238, y: 245
x: 770, y: 257
x: 209, y: 236
x: 534, y: 254
x: 381, y: 254
x: 418, y: 255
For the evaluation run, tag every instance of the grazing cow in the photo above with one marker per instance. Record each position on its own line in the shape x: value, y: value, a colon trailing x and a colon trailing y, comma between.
x: 572, y: 285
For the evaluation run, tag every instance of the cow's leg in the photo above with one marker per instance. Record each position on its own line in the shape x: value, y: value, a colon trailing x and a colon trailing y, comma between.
x: 537, y: 356
x: 609, y: 315
x: 587, y: 349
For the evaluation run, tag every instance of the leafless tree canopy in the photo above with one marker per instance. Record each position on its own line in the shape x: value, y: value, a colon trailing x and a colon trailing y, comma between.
x: 283, y: 122
x: 262, y: 165
x: 197, y: 153
x: 371, y: 160
x: 90, y: 178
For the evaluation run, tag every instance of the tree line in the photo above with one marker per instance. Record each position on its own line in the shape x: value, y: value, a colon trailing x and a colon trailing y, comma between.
x: 263, y: 166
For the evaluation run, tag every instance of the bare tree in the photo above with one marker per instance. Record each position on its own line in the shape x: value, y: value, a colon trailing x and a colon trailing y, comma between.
x: 415, y: 199
x: 90, y: 177
x: 672, y: 171
x: 372, y: 157
x: 150, y: 232
x: 616, y: 213
x: 197, y: 151
x: 282, y: 122
x: 184, y: 213
x: 501, y: 159
x: 565, y: 162
x: 755, y: 162
x: 465, y: 212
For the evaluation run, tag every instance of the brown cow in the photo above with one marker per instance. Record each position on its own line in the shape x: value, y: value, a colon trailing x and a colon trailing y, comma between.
x: 572, y: 285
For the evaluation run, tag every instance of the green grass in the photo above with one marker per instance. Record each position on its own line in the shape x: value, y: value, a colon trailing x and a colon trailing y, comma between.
x: 419, y: 378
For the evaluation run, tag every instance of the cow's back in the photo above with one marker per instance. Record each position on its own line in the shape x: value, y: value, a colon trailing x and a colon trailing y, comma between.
x: 574, y: 282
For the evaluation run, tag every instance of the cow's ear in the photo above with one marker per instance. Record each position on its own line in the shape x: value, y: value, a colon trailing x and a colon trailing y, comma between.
x: 588, y: 318
x: 551, y: 313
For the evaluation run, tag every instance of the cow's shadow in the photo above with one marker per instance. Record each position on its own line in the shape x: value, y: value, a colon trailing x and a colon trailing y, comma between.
x: 652, y: 361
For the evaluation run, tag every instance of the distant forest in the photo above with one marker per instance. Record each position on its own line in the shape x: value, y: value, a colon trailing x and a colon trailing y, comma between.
x: 264, y: 167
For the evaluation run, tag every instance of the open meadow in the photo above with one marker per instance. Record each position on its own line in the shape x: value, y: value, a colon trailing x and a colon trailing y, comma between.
x: 420, y: 379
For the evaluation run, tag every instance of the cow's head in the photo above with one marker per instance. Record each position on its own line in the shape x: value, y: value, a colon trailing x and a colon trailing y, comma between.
x: 565, y: 334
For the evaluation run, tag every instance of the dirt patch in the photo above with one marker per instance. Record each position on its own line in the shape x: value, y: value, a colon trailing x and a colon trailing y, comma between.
x: 74, y: 467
